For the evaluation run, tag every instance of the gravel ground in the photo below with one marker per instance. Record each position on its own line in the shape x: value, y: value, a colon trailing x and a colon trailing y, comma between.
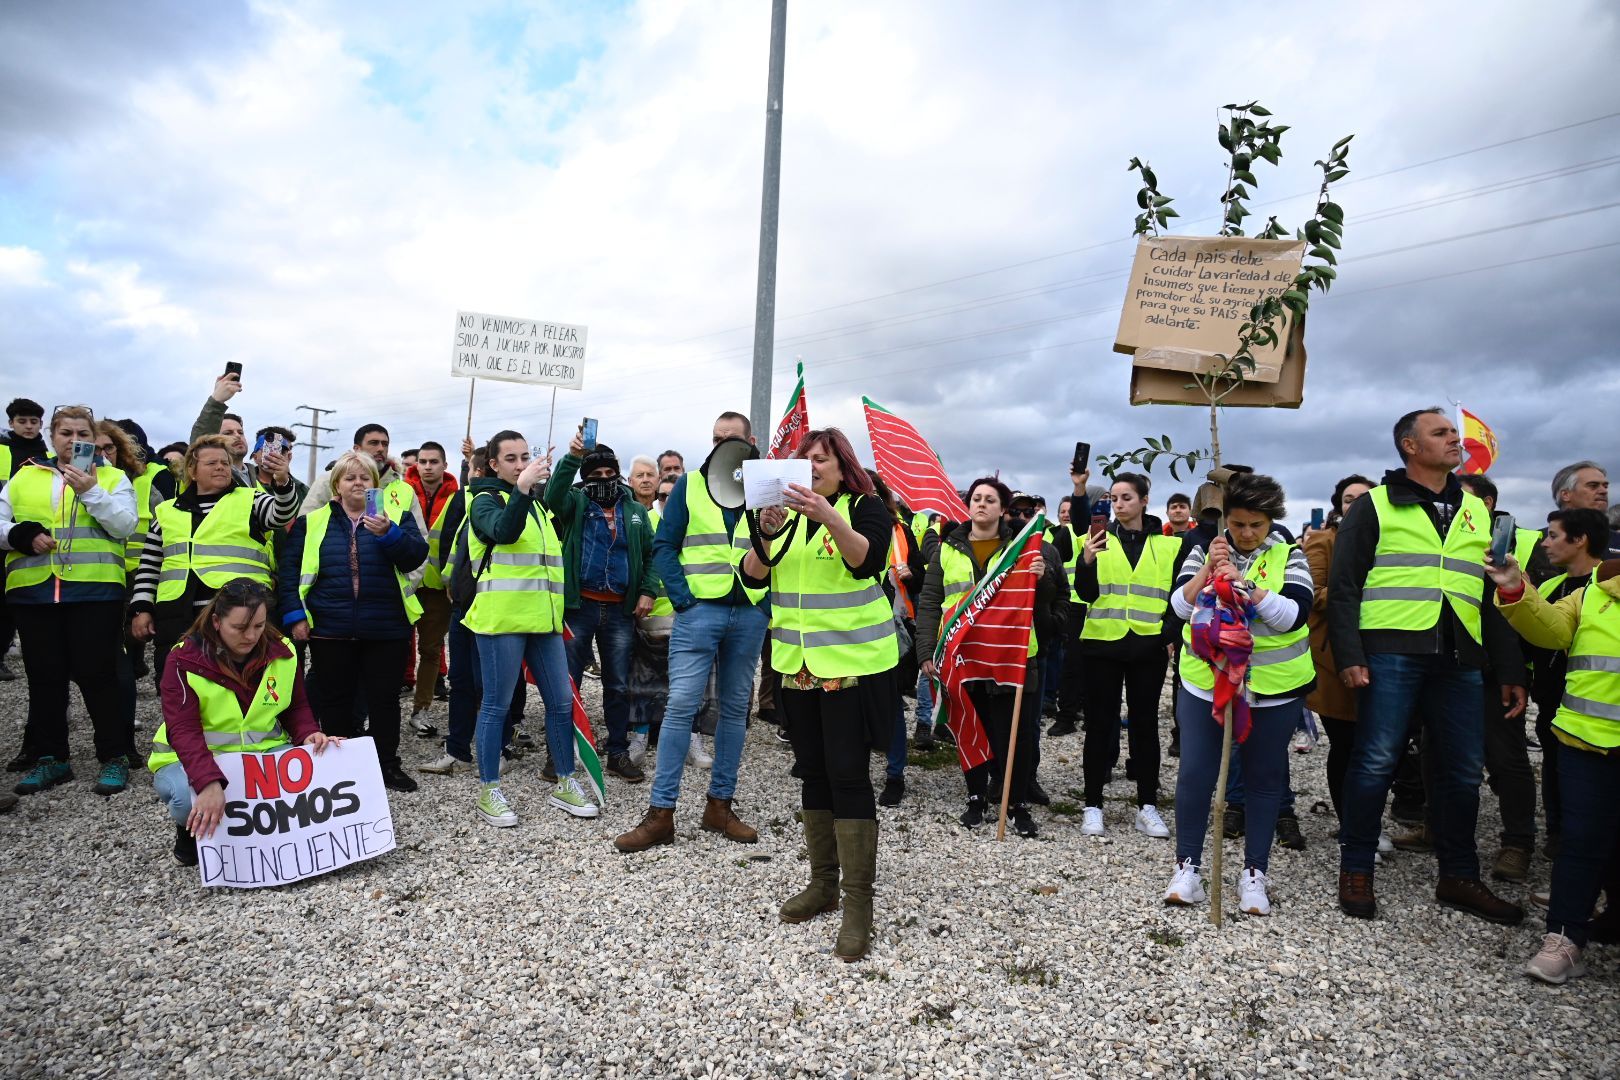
x: 539, y: 950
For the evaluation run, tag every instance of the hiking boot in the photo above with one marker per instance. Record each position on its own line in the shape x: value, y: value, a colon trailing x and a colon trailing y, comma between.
x: 570, y: 796
x: 1288, y: 834
x: 47, y: 774
x: 444, y: 765
x: 657, y: 827
x: 1470, y: 896
x: 1091, y: 822
x: 1415, y: 838
x: 1037, y: 794
x: 1356, y: 898
x: 1512, y: 864
x: 185, y: 847
x: 1023, y: 824
x: 395, y: 778
x: 114, y: 777
x: 973, y: 817
x: 1185, y: 889
x: 1252, y: 896
x: 1148, y: 821
x: 1233, y: 824
x: 625, y: 768
x: 1061, y: 727
x: 420, y: 725
x: 923, y: 738
x: 718, y: 817
x: 893, y: 789
x: 821, y: 895
x: 493, y: 807
x: 1558, y: 961
x: 857, y: 861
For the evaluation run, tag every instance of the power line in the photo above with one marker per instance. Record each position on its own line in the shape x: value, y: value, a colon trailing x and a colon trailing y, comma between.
x: 315, y: 432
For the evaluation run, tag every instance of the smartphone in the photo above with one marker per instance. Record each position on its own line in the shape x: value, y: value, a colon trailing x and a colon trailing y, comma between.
x: 276, y: 444
x: 234, y: 368
x: 587, y: 429
x: 84, y: 456
x: 1503, y: 531
x: 1102, y: 512
x: 1082, y: 457
x: 1318, y: 518
x: 372, y: 501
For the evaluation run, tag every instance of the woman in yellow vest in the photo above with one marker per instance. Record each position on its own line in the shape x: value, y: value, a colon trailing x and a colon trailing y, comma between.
x: 1125, y: 575
x: 1280, y: 674
x: 345, y: 589
x: 1586, y: 732
x: 833, y: 642
x: 63, y: 530
x: 232, y: 685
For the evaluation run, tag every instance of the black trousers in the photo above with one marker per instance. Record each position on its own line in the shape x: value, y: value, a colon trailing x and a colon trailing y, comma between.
x: 995, y: 712
x: 1549, y: 769
x: 1071, y: 688
x: 1141, y: 680
x: 1507, y: 765
x: 344, y: 668
x: 80, y: 643
x: 830, y: 754
x: 1341, y: 741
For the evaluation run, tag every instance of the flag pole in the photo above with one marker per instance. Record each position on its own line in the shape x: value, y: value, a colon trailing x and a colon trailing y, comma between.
x: 551, y: 426
x: 1012, y: 752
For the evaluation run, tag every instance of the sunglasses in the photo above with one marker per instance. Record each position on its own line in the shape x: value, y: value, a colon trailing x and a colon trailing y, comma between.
x: 243, y: 590
x: 1026, y: 512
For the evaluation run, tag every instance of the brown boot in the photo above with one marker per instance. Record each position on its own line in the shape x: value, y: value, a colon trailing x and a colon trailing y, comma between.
x: 1356, y: 897
x: 719, y: 817
x: 657, y: 827
x: 857, y: 859
x: 821, y: 895
x: 1470, y: 895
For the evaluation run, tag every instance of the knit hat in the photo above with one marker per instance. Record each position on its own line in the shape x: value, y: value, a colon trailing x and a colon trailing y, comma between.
x: 600, y: 457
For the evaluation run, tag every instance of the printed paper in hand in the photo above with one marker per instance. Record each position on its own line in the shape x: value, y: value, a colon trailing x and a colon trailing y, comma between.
x: 765, y: 480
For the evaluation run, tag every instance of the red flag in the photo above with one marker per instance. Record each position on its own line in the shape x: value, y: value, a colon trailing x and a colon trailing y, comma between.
x: 909, y: 465
x: 987, y: 637
x: 793, y: 425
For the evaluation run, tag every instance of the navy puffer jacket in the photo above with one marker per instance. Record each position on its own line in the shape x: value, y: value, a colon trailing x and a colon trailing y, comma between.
x: 377, y: 613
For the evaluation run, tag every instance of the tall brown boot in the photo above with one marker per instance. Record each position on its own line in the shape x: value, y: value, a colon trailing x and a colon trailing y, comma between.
x: 821, y: 895
x: 857, y: 859
x: 657, y: 827
x: 719, y: 817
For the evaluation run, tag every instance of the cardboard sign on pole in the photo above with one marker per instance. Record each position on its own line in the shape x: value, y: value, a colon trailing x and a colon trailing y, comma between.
x: 518, y: 350
x: 1158, y: 386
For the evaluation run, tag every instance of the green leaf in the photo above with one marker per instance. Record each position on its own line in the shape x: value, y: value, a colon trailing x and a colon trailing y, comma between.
x: 1149, y: 460
x: 1339, y: 147
x: 1241, y: 161
x: 1142, y: 198
x: 1175, y: 466
x: 1164, y: 440
x: 1161, y: 200
x: 1151, y: 441
x: 1331, y: 226
x: 1331, y: 241
x: 1270, y: 152
x: 1225, y: 138
x: 1167, y: 213
x: 1313, y: 232
x: 1247, y: 177
x: 1327, y: 255
x: 1149, y: 178
x: 1278, y: 129
x: 1320, y: 252
x: 1336, y: 174
x: 1259, y: 110
x: 1136, y: 163
x: 1325, y: 272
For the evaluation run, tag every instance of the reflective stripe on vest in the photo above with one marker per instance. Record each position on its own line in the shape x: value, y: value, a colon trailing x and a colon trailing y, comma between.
x: 1281, y: 661
x: 1132, y: 599
x: 956, y: 574
x: 710, y: 553
x: 823, y: 617
x: 521, y: 590
x: 309, y: 567
x: 1590, y: 710
x: 1413, y: 572
x: 85, y: 552
x: 226, y: 728
x: 223, y: 547
x: 661, y: 604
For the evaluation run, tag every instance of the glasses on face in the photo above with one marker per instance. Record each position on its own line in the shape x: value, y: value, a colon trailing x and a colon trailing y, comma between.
x: 1022, y: 512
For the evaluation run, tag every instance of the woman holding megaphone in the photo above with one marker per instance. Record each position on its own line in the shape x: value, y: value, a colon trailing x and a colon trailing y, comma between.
x: 832, y: 640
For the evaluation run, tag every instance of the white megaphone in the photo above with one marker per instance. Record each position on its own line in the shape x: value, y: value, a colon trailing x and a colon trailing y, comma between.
x: 722, y: 472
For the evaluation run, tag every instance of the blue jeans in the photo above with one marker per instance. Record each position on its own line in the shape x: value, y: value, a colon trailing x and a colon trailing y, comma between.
x: 1234, y: 782
x: 502, y: 656
x: 1452, y: 700
x: 1591, y: 837
x: 614, y: 633
x: 1264, y: 755
x: 726, y: 638
x: 897, y: 743
x: 925, y: 702
x: 467, y: 691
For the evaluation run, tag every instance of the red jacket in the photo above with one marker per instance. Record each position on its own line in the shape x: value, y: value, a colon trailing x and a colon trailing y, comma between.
x: 182, y: 716
x: 441, y: 498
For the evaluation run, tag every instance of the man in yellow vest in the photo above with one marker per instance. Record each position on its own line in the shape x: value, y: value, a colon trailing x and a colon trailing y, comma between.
x: 435, y: 490
x: 718, y: 624
x: 1412, y: 627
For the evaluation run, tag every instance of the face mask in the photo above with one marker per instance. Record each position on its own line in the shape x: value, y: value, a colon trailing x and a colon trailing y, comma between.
x: 603, y: 492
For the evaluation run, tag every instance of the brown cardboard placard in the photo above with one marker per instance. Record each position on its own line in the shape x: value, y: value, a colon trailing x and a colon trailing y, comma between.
x: 1156, y: 386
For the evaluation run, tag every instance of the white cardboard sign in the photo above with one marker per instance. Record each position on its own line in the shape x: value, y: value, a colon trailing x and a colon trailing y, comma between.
x: 530, y: 351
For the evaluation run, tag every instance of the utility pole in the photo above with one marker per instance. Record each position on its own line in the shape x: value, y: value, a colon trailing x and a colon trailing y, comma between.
x: 315, y: 432
x: 765, y: 303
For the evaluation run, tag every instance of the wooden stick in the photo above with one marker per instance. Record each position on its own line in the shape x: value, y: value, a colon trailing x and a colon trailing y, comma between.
x: 1218, y: 821
x: 551, y: 427
x: 472, y: 385
x: 1007, y: 766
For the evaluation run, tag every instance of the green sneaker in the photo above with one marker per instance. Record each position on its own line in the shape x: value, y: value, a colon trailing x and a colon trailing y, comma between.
x: 46, y: 774
x: 114, y: 777
x: 570, y: 796
x: 493, y: 807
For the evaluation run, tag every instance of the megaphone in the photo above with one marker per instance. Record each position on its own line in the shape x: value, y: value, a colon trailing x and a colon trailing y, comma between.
x: 722, y: 471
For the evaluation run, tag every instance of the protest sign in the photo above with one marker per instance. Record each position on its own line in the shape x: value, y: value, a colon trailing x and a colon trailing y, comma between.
x: 291, y: 814
x: 1156, y: 386
x: 518, y: 350
x: 1188, y: 297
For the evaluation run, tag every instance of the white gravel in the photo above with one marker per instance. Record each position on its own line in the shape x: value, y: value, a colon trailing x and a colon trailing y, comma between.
x: 539, y: 950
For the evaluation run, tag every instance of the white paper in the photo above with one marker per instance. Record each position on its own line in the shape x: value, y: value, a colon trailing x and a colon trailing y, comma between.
x: 765, y: 480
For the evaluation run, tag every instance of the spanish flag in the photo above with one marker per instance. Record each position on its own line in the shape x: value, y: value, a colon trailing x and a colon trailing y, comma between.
x: 1479, y: 443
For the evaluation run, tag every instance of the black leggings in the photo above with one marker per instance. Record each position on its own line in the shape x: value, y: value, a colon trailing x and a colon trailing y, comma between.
x: 345, y: 667
x: 995, y: 712
x: 830, y: 755
x: 1142, y: 681
x: 79, y: 643
x: 1341, y: 741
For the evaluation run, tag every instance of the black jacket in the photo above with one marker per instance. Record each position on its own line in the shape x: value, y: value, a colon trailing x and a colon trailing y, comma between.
x: 1500, y: 655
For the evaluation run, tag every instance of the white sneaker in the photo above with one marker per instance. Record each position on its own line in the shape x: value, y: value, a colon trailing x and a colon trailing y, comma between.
x: 1092, y: 824
x: 1386, y: 846
x: 1185, y: 888
x: 695, y: 754
x: 638, y: 747
x: 1558, y: 961
x: 1148, y: 821
x: 1304, y: 743
x: 444, y: 765
x: 1252, y: 898
x: 570, y: 795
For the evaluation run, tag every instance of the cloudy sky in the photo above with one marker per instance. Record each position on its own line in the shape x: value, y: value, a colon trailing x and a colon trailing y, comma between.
x: 314, y: 189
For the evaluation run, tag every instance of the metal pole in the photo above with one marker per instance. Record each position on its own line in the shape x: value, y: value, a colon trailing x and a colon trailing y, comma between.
x: 765, y: 303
